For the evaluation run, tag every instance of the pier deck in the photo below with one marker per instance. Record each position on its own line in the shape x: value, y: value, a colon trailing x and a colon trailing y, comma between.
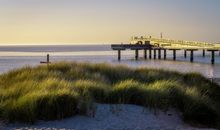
x: 154, y: 44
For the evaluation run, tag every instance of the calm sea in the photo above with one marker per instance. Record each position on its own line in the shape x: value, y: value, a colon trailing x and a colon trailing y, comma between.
x: 12, y: 57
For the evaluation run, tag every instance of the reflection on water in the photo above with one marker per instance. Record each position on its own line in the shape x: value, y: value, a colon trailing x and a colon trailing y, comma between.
x: 102, y: 54
x: 205, y: 69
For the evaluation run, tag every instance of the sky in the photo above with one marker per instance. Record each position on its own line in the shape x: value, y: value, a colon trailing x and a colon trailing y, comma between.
x: 107, y: 21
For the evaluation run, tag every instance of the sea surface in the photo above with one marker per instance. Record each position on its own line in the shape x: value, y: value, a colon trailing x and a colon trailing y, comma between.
x: 12, y: 57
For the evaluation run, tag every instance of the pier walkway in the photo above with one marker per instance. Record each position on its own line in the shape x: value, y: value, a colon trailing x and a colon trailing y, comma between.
x: 162, y: 45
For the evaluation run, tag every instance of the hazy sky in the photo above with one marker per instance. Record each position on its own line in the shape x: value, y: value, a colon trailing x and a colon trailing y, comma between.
x: 106, y: 21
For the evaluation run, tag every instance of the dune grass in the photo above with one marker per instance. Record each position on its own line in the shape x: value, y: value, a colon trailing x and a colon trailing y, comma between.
x: 65, y: 89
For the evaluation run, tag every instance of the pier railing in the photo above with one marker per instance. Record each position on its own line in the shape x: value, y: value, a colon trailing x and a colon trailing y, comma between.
x: 180, y: 43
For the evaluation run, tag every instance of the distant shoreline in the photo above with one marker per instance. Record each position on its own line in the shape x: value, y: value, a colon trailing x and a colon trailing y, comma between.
x: 55, y: 44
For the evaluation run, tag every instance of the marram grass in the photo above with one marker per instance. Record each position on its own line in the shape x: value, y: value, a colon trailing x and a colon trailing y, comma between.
x: 66, y: 89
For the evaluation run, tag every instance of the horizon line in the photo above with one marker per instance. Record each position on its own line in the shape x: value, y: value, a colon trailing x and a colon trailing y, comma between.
x: 53, y: 43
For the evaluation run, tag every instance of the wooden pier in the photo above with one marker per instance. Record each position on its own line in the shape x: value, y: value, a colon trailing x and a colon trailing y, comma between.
x: 163, y: 45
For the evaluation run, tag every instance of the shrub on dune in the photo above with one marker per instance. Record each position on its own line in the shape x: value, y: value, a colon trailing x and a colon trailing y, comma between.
x: 92, y: 89
x: 34, y: 106
x: 128, y: 92
x: 57, y: 105
x: 199, y: 108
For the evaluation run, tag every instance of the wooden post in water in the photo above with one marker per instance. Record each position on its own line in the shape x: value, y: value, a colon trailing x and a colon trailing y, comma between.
x: 145, y: 54
x: 203, y: 52
x: 159, y: 53
x: 136, y: 54
x: 150, y: 53
x: 48, y: 58
x: 185, y: 53
x: 155, y: 53
x: 165, y: 54
x: 119, y: 55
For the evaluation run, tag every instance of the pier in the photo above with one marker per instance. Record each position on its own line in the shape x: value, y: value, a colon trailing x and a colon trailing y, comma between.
x: 157, y: 46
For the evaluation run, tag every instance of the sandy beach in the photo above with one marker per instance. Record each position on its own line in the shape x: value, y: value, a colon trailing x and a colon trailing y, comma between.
x: 115, y: 117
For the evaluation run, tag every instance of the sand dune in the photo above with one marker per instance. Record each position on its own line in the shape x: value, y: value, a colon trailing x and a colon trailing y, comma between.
x: 113, y: 117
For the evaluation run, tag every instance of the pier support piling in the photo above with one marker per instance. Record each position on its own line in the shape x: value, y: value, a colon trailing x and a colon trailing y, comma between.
x: 155, y: 53
x: 159, y: 53
x: 203, y: 52
x: 150, y: 53
x: 212, y: 55
x: 191, y: 56
x: 174, y: 54
x: 185, y: 53
x: 136, y: 54
x: 165, y: 54
x: 119, y: 55
x: 145, y: 54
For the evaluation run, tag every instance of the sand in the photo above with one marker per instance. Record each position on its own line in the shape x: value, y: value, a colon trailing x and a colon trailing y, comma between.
x: 115, y: 117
